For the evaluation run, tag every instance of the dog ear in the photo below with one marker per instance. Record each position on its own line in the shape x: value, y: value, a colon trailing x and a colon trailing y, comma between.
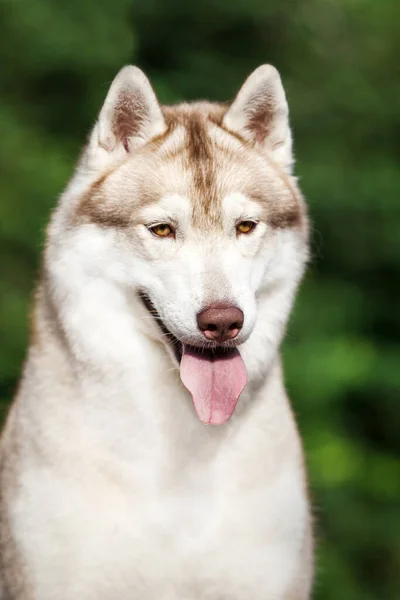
x: 260, y: 115
x: 130, y: 116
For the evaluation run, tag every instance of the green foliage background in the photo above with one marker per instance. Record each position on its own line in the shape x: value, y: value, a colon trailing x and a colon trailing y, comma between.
x: 340, y: 64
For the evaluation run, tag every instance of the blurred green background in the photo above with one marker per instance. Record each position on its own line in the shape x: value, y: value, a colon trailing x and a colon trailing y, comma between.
x: 340, y: 63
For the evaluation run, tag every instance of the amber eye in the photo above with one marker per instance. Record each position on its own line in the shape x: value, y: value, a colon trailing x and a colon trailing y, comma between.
x: 246, y: 227
x: 162, y: 230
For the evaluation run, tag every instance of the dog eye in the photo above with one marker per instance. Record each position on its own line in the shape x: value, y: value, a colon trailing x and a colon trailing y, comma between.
x: 246, y: 227
x: 162, y: 230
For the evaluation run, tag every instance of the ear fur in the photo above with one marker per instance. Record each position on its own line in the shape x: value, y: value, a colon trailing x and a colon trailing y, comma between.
x: 130, y: 117
x: 260, y: 114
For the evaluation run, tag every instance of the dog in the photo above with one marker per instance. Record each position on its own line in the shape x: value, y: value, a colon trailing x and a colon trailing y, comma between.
x: 151, y: 452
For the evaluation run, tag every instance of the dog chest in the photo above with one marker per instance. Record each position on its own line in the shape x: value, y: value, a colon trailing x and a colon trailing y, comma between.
x: 186, y: 541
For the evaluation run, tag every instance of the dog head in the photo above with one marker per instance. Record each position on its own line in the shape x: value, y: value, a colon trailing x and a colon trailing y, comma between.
x: 193, y: 209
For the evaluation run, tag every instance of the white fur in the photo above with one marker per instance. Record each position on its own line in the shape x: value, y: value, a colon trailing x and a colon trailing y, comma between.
x: 123, y: 493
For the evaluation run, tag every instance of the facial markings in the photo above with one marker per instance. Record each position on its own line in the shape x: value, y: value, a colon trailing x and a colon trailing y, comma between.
x: 200, y: 160
x: 97, y: 207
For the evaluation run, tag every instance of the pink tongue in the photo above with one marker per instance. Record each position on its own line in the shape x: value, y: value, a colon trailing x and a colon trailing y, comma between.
x: 215, y: 383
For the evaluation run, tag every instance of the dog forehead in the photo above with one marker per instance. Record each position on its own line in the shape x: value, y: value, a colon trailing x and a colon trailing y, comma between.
x: 224, y: 185
x: 198, y: 161
x: 204, y: 176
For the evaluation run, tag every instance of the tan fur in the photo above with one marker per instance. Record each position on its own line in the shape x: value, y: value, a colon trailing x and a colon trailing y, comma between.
x: 209, y: 162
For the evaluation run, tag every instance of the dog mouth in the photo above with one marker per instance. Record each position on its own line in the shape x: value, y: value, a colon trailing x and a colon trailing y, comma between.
x: 173, y: 342
x: 210, y: 351
x: 214, y: 375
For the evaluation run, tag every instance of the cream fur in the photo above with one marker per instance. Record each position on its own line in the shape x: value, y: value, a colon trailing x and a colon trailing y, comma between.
x: 110, y: 485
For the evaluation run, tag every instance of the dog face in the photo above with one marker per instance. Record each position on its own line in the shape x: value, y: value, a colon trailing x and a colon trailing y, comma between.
x: 191, y: 216
x: 194, y: 206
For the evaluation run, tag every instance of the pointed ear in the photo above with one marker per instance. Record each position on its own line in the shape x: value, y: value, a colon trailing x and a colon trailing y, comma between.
x: 130, y: 116
x: 260, y: 114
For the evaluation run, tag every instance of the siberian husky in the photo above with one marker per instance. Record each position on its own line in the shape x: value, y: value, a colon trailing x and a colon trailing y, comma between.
x: 151, y: 452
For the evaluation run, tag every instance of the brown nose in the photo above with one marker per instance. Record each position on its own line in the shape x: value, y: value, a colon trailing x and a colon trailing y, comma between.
x: 220, y: 322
